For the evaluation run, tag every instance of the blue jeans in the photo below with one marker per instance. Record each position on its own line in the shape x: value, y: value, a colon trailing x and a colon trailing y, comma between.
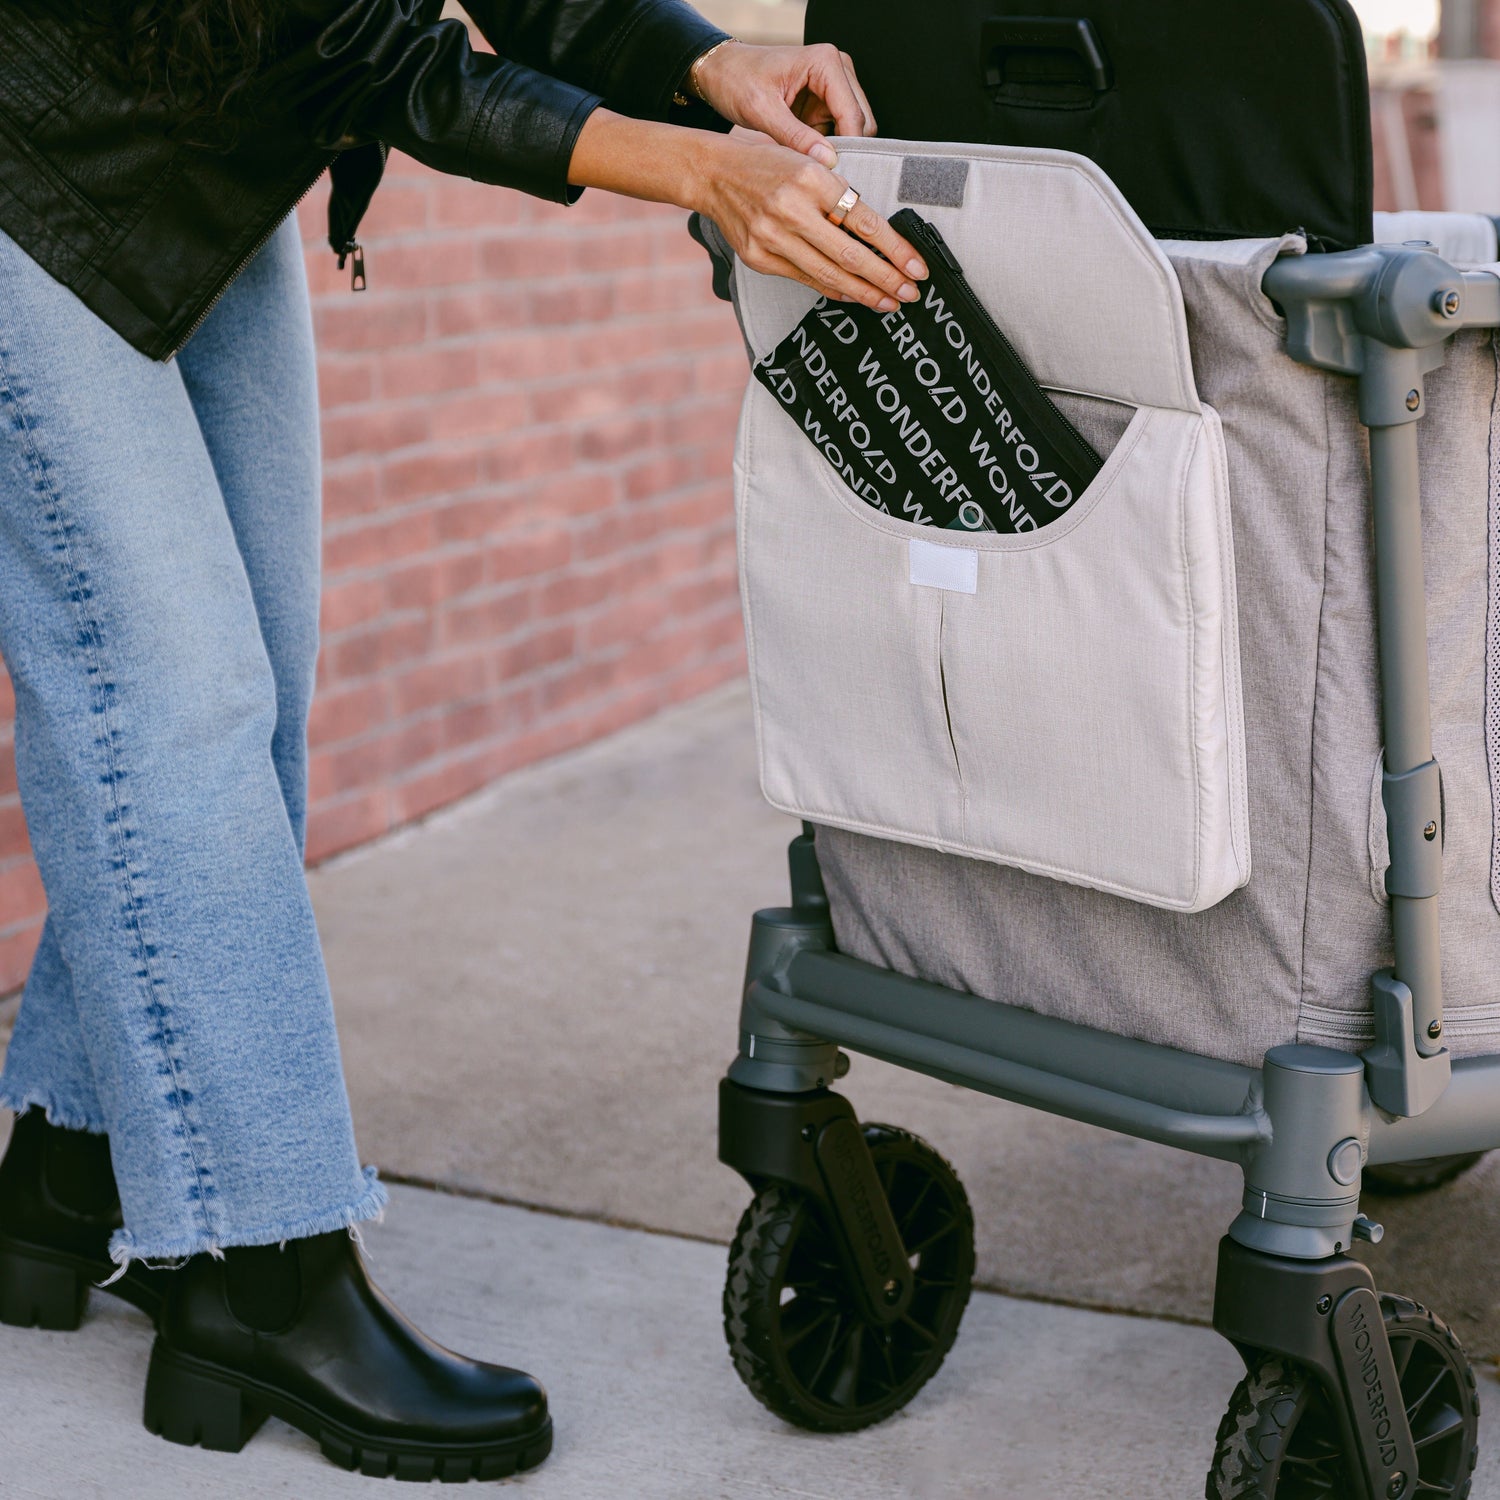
x: 159, y: 580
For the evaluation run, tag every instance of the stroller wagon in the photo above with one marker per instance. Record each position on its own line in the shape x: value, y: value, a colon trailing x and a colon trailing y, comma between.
x: 1137, y: 817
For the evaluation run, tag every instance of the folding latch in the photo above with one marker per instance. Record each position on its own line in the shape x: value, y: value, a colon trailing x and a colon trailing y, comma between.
x: 1414, y: 827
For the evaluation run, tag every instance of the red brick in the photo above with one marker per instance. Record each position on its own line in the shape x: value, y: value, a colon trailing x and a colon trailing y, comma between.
x: 349, y: 768
x: 515, y: 257
x: 342, y: 713
x: 458, y: 203
x: 425, y: 371
x: 423, y: 794
x: 448, y: 260
x: 346, y: 605
x: 344, y: 381
x: 526, y: 356
x: 478, y: 414
x: 366, y: 652
x: 433, y: 471
x: 16, y: 950
x: 21, y: 893
x: 369, y: 320
x: 350, y: 489
x: 339, y: 825
x: 362, y: 430
x: 14, y: 840
x: 486, y: 619
x: 425, y: 584
x: 540, y: 649
x: 527, y: 555
x: 370, y: 543
x: 629, y: 620
x: 470, y: 310
x: 527, y: 454
x: 443, y: 681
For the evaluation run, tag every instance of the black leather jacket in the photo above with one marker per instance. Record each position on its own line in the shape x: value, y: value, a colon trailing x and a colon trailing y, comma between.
x: 148, y: 229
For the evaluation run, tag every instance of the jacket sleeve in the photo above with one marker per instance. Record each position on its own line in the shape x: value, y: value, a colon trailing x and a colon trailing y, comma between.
x: 355, y: 71
x: 636, y: 53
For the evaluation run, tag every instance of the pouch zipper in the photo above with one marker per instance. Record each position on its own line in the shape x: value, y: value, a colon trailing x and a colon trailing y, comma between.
x: 245, y: 260
x: 1056, y: 427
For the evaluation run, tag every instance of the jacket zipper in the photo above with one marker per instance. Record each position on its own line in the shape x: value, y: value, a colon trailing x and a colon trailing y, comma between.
x: 245, y: 260
x: 1056, y: 427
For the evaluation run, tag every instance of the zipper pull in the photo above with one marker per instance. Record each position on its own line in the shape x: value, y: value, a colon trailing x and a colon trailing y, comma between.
x: 357, y: 274
x: 938, y: 243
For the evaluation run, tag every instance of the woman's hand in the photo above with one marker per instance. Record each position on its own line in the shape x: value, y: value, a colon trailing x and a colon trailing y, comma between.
x: 773, y: 207
x: 794, y: 94
x: 771, y: 202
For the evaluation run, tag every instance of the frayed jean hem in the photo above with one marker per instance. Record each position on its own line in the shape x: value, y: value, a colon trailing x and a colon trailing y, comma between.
x: 59, y: 1113
x: 124, y: 1247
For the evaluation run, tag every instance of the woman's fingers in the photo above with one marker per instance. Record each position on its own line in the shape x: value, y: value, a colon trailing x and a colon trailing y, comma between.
x: 859, y: 92
x: 827, y: 78
x: 862, y: 220
x: 856, y: 260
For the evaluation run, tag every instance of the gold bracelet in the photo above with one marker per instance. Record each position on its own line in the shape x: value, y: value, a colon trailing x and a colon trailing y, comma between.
x: 692, y: 79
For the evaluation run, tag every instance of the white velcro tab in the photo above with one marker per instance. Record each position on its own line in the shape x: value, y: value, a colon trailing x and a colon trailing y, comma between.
x: 953, y: 568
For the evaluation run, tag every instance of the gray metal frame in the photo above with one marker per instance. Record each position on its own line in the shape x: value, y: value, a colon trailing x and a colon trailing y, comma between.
x: 1304, y: 1124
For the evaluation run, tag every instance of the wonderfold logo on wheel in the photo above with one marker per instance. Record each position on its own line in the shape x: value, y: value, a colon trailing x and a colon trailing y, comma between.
x: 927, y: 412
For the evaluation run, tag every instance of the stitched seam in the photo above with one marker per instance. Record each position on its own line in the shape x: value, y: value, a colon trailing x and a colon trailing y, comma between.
x: 1492, y: 634
x: 1234, y: 691
x: 89, y: 632
x: 1192, y: 662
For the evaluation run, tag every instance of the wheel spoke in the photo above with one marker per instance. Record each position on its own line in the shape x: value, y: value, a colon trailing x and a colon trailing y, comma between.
x: 910, y: 1212
x: 1421, y: 1401
x: 834, y: 1341
x: 1402, y: 1352
x: 933, y: 1238
x: 1452, y: 1421
x: 1428, y: 1487
x: 927, y: 1336
x: 808, y: 1329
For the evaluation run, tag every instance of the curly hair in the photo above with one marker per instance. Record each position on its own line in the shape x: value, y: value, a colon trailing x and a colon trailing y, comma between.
x: 192, y: 60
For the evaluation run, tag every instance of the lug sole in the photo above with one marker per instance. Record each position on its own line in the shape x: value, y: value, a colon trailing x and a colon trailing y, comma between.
x: 191, y: 1402
x: 34, y: 1282
x: 41, y: 1291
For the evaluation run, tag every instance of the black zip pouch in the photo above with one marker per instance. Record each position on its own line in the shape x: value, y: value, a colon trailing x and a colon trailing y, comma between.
x: 927, y: 412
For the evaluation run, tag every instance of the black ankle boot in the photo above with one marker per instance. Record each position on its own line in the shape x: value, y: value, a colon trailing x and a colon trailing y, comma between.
x: 302, y: 1334
x: 58, y: 1208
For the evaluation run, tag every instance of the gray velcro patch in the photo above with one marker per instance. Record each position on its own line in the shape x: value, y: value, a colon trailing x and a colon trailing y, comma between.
x: 935, y: 180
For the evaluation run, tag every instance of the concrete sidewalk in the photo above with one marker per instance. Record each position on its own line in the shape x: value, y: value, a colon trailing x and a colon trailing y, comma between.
x: 1044, y: 1402
x: 537, y: 992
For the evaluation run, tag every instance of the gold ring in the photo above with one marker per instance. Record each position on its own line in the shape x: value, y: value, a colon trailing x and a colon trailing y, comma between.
x: 844, y: 207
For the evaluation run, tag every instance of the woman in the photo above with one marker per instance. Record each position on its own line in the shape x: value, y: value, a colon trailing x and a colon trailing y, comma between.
x: 174, y: 1065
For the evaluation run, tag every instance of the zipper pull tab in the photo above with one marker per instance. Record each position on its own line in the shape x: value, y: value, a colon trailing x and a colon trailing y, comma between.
x: 938, y: 243
x: 357, y: 274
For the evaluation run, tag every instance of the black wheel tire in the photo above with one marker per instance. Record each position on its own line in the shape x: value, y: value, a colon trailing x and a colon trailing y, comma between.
x: 1396, y: 1179
x: 795, y: 1330
x: 1279, y: 1439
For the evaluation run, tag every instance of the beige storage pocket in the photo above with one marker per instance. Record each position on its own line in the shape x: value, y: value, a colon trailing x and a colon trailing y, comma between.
x: 1063, y: 700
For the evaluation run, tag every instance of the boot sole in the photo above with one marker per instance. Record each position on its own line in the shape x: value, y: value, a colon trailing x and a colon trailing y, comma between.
x: 41, y: 1288
x: 38, y: 1290
x: 192, y: 1402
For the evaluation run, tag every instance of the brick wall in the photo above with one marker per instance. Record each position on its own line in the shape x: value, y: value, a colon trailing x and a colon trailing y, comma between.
x: 528, y: 536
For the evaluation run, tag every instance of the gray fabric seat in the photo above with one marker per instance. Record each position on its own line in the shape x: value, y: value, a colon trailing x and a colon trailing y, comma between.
x: 1289, y: 956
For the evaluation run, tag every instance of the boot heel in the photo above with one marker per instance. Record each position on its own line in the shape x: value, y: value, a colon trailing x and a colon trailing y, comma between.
x: 187, y: 1406
x: 39, y: 1293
